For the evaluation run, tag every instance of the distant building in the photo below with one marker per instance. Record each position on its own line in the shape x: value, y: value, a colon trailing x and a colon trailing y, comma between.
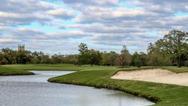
x: 21, y: 48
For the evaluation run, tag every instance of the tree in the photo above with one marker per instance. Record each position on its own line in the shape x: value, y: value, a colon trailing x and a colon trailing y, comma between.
x: 109, y: 58
x: 95, y: 57
x: 22, y: 56
x: 126, y: 56
x: 57, y: 58
x: 136, y: 60
x: 9, y: 56
x: 143, y: 58
x: 124, y: 59
x: 70, y: 59
x: 157, y: 57
x: 87, y: 56
x: 174, y: 44
x: 83, y: 57
x: 35, y: 58
x: 83, y: 48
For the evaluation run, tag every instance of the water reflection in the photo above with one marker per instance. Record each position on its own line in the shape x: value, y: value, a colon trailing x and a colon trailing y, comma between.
x: 36, y: 91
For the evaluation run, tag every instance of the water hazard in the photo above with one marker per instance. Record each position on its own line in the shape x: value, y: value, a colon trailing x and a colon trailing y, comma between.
x: 34, y: 90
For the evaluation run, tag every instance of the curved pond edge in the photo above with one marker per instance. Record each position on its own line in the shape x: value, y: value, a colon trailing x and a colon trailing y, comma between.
x: 17, y: 73
x: 107, y: 86
x: 138, y: 94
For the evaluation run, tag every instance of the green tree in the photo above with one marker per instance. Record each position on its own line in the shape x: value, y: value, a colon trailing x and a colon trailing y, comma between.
x: 137, y: 60
x: 84, y: 56
x: 35, y: 58
x: 109, y: 58
x: 95, y: 57
x: 22, y: 56
x: 57, y: 58
x: 157, y: 57
x: 83, y: 48
x: 70, y: 59
x: 174, y: 44
x: 9, y: 56
x: 124, y: 59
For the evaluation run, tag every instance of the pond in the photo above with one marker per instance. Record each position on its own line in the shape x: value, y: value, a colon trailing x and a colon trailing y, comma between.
x: 34, y: 90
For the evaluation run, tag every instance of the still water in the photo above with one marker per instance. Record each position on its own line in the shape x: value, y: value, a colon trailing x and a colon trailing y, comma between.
x: 34, y: 90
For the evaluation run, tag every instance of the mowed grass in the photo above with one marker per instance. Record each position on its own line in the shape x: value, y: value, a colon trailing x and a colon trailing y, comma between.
x: 60, y: 67
x: 19, y: 69
x: 99, y: 76
x: 6, y: 71
x: 71, y: 67
x: 162, y: 94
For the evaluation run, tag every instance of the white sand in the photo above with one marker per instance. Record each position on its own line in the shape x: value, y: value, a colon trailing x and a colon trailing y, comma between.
x: 154, y: 75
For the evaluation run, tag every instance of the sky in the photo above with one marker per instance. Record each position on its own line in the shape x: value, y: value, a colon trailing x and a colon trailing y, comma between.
x: 59, y: 26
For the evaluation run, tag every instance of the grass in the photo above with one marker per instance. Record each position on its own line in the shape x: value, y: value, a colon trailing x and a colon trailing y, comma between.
x: 19, y: 69
x: 6, y: 71
x: 60, y: 67
x: 162, y: 94
x: 176, y: 69
x: 99, y: 76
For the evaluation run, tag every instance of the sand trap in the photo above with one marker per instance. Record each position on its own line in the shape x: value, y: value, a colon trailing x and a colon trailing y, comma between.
x: 154, y: 75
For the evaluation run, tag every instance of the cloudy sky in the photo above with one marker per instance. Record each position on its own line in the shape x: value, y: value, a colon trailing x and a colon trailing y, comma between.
x: 58, y: 26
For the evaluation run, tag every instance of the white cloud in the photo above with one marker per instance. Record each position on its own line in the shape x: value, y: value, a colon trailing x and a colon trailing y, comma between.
x: 92, y: 2
x: 61, y: 13
x: 18, y: 12
x: 8, y: 40
x: 96, y: 22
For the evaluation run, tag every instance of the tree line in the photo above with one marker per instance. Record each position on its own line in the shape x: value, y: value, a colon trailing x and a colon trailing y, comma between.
x: 22, y: 56
x: 172, y: 49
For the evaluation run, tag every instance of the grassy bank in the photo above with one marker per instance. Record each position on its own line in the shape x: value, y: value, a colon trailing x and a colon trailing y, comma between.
x: 6, y: 71
x: 162, y: 94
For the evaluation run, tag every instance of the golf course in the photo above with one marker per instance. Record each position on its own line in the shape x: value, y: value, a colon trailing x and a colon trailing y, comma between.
x: 93, y: 52
x: 100, y: 77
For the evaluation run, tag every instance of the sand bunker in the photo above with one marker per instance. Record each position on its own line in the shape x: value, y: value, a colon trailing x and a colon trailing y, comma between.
x: 154, y: 75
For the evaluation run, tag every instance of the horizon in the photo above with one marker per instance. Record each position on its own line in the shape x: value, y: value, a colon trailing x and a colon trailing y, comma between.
x: 59, y: 26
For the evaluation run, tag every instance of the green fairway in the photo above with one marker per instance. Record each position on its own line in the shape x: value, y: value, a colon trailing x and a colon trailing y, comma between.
x: 19, y: 69
x: 24, y: 69
x: 99, y: 76
x: 60, y: 67
x: 162, y: 94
